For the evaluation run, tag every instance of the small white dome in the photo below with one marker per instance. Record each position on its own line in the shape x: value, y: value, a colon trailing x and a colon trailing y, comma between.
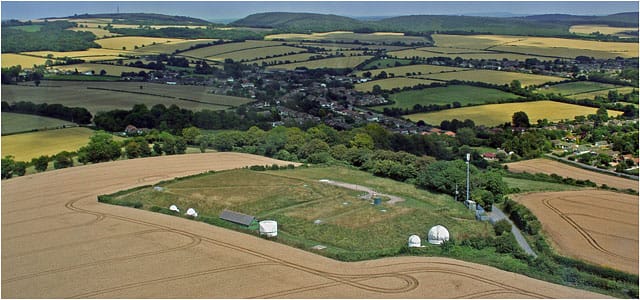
x: 414, y: 241
x: 438, y: 234
x: 192, y: 212
x: 174, y: 208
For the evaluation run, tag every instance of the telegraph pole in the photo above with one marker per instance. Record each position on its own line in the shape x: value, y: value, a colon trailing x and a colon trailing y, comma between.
x: 468, y: 157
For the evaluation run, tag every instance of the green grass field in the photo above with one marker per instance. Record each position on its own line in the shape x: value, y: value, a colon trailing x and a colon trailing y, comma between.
x: 447, y: 95
x: 496, y: 114
x: 300, y: 57
x: 577, y: 87
x: 105, y: 96
x: 228, y: 48
x: 26, y: 146
x: 603, y: 93
x: 391, y: 83
x: 256, y: 53
x: 411, y: 70
x: 385, y: 63
x: 296, y: 199
x: 12, y: 123
x: 28, y: 28
x: 526, y: 186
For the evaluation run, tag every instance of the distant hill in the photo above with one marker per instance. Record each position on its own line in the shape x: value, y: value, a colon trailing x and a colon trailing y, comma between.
x: 299, y: 22
x: 543, y: 25
x: 628, y: 19
x: 144, y: 19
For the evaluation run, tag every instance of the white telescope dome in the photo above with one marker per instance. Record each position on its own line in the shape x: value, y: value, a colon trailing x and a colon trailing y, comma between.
x: 438, y: 234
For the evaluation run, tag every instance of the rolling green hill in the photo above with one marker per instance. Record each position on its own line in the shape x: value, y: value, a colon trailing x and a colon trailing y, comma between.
x: 300, y: 22
x: 628, y: 19
x: 144, y: 19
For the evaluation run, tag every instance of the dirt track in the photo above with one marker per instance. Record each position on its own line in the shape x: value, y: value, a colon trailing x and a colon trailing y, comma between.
x: 547, y: 166
x: 59, y: 242
x: 597, y: 226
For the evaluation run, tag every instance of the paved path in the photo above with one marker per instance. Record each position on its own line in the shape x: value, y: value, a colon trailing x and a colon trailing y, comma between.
x: 392, y: 199
x: 591, y: 168
x: 497, y: 215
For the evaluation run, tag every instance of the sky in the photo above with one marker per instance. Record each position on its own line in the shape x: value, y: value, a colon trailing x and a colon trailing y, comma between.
x: 228, y: 10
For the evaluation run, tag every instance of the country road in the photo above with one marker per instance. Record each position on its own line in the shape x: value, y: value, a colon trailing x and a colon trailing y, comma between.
x: 497, y: 215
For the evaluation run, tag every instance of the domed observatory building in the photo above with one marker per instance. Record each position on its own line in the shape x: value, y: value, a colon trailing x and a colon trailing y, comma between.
x: 437, y: 235
x: 414, y: 241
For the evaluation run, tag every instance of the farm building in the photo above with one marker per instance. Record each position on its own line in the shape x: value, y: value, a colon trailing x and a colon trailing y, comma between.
x: 437, y: 235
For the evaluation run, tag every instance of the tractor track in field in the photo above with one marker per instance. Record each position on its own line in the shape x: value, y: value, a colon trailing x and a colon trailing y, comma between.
x: 583, y: 232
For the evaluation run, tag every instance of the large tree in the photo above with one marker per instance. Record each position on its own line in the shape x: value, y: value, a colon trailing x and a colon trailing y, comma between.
x: 101, y: 148
x: 520, y: 119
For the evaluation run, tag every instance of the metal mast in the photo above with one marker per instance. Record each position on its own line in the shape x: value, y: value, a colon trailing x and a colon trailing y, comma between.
x: 468, y: 157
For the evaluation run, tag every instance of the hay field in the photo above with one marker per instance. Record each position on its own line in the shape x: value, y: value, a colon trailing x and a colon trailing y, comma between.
x: 257, y: 53
x: 494, y: 77
x: 331, y: 63
x: 120, y: 252
x: 25, y: 146
x: 130, y: 42
x: 13, y: 122
x: 105, y: 96
x: 549, y: 167
x: 578, y: 87
x: 496, y: 114
x: 603, y: 93
x: 604, y: 29
x: 597, y: 226
x: 447, y: 95
x: 391, y: 83
x: 26, y: 61
x: 417, y: 69
x: 228, y: 48
x: 112, y: 70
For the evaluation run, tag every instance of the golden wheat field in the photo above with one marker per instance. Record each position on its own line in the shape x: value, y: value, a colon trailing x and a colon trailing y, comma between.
x: 112, y: 70
x: 494, y: 77
x: 172, y: 46
x: 391, y: 83
x: 604, y: 29
x: 25, y: 146
x: 496, y: 114
x: 91, y: 52
x: 11, y: 59
x: 130, y: 42
x: 99, y: 32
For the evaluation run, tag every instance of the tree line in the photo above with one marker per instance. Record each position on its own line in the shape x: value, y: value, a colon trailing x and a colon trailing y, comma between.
x: 79, y: 115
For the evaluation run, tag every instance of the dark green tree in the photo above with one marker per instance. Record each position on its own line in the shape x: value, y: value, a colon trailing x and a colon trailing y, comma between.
x: 520, y: 119
x: 101, y: 148
x: 41, y: 163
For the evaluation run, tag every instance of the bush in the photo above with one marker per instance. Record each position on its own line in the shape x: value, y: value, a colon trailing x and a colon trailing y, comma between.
x: 502, y: 226
x: 62, y: 160
x: 257, y: 168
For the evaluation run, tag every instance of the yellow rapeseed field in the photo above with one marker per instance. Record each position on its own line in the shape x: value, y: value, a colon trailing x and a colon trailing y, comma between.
x: 496, y: 114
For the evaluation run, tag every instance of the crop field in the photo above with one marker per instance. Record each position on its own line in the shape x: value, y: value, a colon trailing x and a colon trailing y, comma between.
x: 171, y: 47
x: 257, y: 53
x: 140, y: 254
x: 408, y: 54
x: 112, y: 70
x: 496, y: 114
x: 130, y: 42
x: 228, y: 48
x: 297, y: 201
x: 597, y: 226
x: 447, y: 95
x: 411, y: 70
x: 386, y: 63
x: 92, y: 52
x: 25, y: 146
x: 105, y: 96
x: 332, y: 63
x: 549, y: 167
x: 347, y: 36
x: 494, y: 77
x: 12, y: 122
x: 577, y: 87
x: 604, y: 29
x: 527, y: 186
x: 26, y: 61
x: 284, y: 59
x: 391, y: 83
x: 99, y: 32
x: 603, y: 93
x: 346, y: 46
